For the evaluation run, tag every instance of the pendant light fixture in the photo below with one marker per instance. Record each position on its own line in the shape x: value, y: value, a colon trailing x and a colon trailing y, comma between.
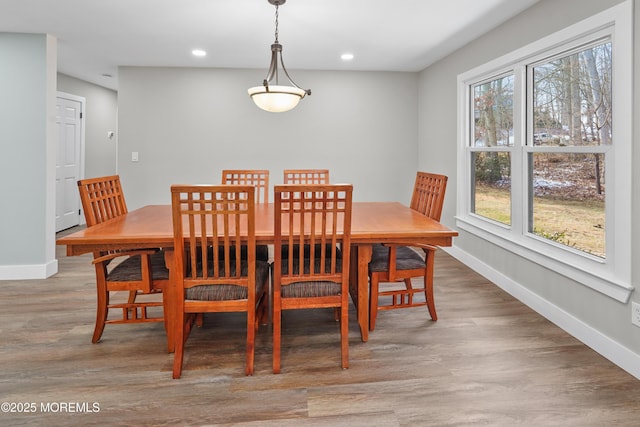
x: 276, y: 98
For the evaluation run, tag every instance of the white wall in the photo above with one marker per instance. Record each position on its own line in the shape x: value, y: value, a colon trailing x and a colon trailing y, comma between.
x: 187, y: 124
x: 595, y: 318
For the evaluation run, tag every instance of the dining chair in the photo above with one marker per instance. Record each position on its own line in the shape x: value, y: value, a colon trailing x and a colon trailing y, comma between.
x: 306, y: 176
x: 259, y: 178
x: 138, y: 272
x: 216, y: 218
x: 393, y: 263
x: 312, y: 221
x: 256, y: 177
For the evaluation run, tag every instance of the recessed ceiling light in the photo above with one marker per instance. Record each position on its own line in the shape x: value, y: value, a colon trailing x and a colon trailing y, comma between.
x: 347, y: 56
x: 198, y: 52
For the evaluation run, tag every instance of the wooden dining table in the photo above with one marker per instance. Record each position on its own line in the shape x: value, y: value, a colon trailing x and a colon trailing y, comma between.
x: 371, y: 223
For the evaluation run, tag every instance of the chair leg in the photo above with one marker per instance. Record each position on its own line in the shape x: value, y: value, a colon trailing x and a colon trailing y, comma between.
x: 277, y: 324
x: 263, y: 310
x: 199, y: 320
x: 251, y: 341
x: 428, y: 294
x: 428, y: 286
x: 132, y: 312
x: 373, y: 301
x: 179, y: 337
x: 258, y: 317
x: 344, y: 335
x: 102, y: 311
x: 166, y: 309
x: 132, y: 296
x: 409, y: 295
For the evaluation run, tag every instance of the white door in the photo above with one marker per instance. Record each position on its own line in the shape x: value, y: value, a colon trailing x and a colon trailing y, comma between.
x: 69, y: 123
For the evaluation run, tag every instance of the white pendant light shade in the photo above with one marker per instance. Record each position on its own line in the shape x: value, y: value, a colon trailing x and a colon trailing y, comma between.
x: 276, y: 99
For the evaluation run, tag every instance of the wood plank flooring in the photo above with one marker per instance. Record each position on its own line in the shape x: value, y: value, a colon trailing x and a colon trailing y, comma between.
x: 488, y: 360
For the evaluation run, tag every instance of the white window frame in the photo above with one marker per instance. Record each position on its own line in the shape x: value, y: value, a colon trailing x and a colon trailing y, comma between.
x: 610, y: 275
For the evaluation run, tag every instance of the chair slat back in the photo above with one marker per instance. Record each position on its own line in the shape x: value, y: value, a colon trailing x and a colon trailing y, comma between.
x: 428, y: 194
x: 256, y: 177
x: 306, y: 176
x: 311, y: 221
x: 209, y: 223
x: 102, y: 199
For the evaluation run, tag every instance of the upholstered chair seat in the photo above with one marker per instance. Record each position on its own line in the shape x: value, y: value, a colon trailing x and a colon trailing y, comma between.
x: 229, y: 292
x: 131, y: 269
x: 314, y: 288
x: 406, y: 259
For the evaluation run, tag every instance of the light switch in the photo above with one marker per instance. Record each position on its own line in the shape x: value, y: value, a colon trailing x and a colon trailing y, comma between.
x: 134, y: 156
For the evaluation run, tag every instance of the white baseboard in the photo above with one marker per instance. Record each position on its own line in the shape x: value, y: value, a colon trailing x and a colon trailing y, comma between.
x: 27, y: 272
x: 612, y: 350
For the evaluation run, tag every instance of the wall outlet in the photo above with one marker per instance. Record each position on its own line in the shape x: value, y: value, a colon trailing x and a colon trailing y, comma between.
x: 635, y: 313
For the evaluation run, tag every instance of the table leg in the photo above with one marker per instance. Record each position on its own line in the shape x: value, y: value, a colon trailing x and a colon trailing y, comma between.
x: 364, y: 256
x: 353, y: 277
x: 167, y: 298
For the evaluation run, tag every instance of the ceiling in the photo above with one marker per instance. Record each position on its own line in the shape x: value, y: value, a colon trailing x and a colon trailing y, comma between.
x: 96, y: 36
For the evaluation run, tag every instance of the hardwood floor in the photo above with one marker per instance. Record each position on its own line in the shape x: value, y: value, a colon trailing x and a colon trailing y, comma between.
x: 488, y: 360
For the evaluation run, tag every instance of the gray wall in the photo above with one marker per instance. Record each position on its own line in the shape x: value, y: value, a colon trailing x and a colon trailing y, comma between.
x: 187, y: 124
x: 101, y: 108
x: 438, y: 142
x: 27, y: 164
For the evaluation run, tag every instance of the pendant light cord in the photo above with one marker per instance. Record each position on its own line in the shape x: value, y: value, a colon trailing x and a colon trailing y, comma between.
x: 276, y: 24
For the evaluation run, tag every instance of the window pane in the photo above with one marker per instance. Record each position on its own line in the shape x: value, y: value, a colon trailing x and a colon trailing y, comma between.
x: 493, y: 113
x: 567, y: 199
x: 491, y: 197
x: 572, y: 99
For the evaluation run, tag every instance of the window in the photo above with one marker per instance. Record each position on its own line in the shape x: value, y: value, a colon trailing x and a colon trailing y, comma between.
x: 544, y: 152
x: 490, y: 154
x: 571, y: 118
